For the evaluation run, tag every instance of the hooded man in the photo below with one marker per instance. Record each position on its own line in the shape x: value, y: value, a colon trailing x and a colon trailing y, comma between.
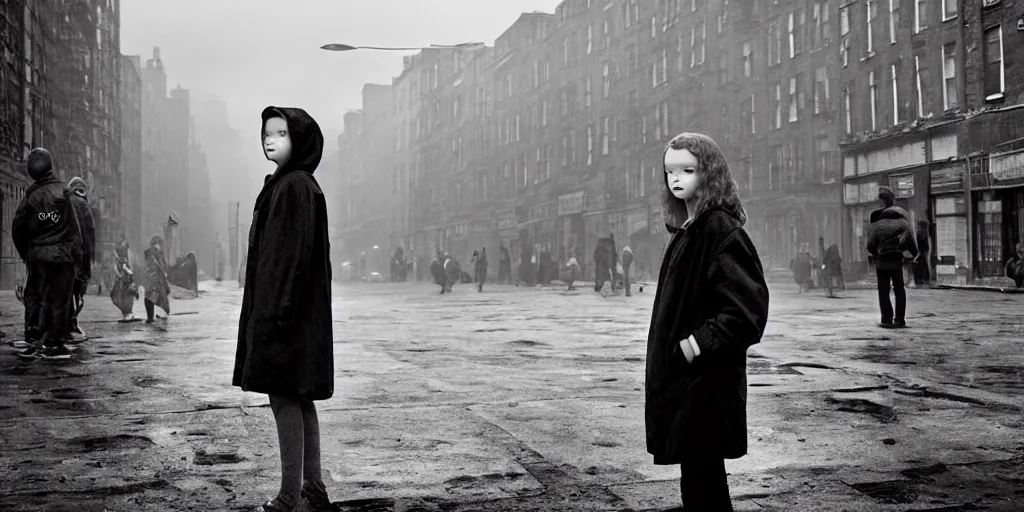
x: 47, y: 236
x: 79, y: 200
x: 888, y: 237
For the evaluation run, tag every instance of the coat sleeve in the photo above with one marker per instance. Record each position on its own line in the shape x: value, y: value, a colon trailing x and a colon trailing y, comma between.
x: 739, y: 294
x: 21, y: 228
x: 286, y: 247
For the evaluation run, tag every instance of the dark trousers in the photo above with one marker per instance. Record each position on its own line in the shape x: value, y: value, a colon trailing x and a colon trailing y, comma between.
x: 77, y: 294
x: 56, y: 308
x: 33, y: 300
x: 625, y: 278
x: 149, y: 309
x: 922, y: 272
x: 895, y: 277
x: 704, y: 485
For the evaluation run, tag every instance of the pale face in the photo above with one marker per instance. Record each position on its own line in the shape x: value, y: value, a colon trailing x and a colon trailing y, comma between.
x: 277, y: 142
x: 681, y: 173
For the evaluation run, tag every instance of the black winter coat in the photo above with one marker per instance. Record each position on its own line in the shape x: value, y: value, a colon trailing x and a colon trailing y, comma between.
x: 285, y: 339
x: 45, y: 227
x: 88, y: 227
x: 711, y: 286
x: 889, y: 236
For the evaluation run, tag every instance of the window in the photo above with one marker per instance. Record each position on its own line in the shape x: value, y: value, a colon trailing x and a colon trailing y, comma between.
x: 606, y: 81
x: 796, y: 27
x: 994, y: 76
x: 536, y: 73
x: 587, y: 93
x: 517, y: 128
x: 664, y: 118
x: 816, y: 19
x: 844, y: 36
x: 605, y: 132
x: 777, y: 98
x: 821, y: 92
x: 949, y: 92
x: 697, y: 36
x: 565, y: 52
x: 590, y: 39
x: 847, y: 110
x: 604, y: 37
x: 895, y: 98
x: 921, y: 15
x: 544, y: 113
x: 572, y: 146
x: 793, y: 112
x: 565, y: 150
x: 654, y: 27
x: 873, y: 87
x: 774, y: 44
x: 590, y: 144
x: 748, y: 59
x: 565, y: 101
x: 657, y: 123
x: 872, y: 14
x: 894, y: 19
x: 949, y: 9
x: 753, y: 115
x: 917, y: 86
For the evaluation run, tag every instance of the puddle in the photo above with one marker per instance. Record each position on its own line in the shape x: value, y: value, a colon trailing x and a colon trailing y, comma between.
x: 882, y: 413
x: 894, y: 492
x: 118, y: 442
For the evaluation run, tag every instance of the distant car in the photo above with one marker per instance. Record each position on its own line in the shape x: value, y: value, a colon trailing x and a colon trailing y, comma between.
x: 374, y: 277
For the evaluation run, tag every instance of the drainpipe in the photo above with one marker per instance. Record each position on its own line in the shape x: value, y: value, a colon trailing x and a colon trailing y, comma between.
x: 969, y: 201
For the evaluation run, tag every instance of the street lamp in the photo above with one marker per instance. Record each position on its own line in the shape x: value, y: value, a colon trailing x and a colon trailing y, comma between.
x: 339, y: 47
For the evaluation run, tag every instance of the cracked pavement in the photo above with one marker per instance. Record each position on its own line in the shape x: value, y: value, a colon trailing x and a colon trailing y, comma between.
x: 522, y: 399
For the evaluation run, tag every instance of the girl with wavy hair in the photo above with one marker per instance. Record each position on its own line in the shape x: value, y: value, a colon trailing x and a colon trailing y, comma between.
x: 711, y: 305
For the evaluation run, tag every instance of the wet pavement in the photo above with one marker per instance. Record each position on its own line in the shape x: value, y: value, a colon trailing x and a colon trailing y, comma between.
x: 522, y: 399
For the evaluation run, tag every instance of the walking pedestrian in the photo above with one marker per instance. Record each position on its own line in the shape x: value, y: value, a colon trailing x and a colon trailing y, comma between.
x: 832, y: 267
x: 504, y: 264
x: 572, y: 269
x: 285, y: 341
x: 888, y: 238
x: 627, y: 260
x: 48, y: 239
x: 158, y: 290
x: 124, y: 290
x: 83, y: 272
x: 711, y: 304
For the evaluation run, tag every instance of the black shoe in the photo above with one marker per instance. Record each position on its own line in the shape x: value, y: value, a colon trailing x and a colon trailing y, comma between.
x: 886, y: 325
x: 902, y: 324
x: 56, y: 353
x: 32, y: 352
x: 316, y: 496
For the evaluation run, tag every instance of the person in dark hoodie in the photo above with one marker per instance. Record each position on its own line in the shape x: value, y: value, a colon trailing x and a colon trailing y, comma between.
x: 711, y: 305
x: 47, y: 237
x: 888, y: 238
x: 285, y: 342
x: 83, y: 273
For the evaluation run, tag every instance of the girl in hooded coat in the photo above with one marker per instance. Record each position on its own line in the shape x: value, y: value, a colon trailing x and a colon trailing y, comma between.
x: 285, y: 341
x: 711, y: 305
x: 158, y: 290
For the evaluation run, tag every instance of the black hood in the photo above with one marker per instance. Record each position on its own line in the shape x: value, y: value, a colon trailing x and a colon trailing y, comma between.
x: 307, y: 139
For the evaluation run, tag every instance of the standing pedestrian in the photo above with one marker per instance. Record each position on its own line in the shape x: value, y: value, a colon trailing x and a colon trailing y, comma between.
x: 48, y: 239
x: 627, y: 260
x: 922, y: 268
x: 832, y: 267
x: 83, y: 273
x: 285, y: 341
x: 504, y: 264
x: 572, y: 269
x: 888, y: 238
x: 480, y: 268
x: 158, y: 290
x: 711, y: 305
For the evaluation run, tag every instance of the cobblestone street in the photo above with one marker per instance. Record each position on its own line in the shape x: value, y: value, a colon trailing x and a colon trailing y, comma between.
x: 522, y: 399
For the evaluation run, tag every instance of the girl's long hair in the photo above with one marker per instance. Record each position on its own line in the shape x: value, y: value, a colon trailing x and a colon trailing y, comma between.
x: 716, y: 188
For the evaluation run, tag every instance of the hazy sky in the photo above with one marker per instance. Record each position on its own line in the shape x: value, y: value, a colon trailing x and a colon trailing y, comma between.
x: 255, y: 53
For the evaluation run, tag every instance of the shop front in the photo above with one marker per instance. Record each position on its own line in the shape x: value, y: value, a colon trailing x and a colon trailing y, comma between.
x: 998, y: 198
x: 570, y: 227
x: 949, y: 256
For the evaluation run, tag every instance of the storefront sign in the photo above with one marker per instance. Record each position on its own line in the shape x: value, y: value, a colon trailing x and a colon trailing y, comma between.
x: 594, y: 202
x: 950, y: 179
x: 507, y: 220
x: 1006, y: 167
x: 902, y: 186
x: 548, y: 225
x: 569, y: 204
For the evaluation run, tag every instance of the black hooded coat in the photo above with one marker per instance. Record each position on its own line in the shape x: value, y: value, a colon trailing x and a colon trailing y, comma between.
x: 711, y: 286
x: 45, y: 227
x: 285, y: 339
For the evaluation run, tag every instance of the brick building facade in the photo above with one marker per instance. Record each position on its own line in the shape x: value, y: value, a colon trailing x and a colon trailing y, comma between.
x: 815, y: 103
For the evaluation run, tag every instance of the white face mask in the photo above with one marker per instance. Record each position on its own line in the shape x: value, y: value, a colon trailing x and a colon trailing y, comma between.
x: 681, y: 173
x: 277, y: 142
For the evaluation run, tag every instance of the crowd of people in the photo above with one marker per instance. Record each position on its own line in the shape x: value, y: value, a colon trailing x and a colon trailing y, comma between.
x: 54, y: 232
